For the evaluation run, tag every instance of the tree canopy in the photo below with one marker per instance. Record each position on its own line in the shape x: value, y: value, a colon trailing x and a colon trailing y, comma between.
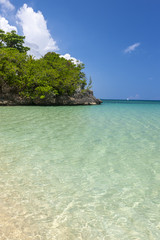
x: 32, y: 78
x: 12, y: 40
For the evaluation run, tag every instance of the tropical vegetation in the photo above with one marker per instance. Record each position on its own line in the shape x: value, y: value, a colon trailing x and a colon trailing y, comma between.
x: 32, y: 78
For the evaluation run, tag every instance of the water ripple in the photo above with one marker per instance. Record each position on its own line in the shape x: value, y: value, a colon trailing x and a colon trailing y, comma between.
x: 80, y: 173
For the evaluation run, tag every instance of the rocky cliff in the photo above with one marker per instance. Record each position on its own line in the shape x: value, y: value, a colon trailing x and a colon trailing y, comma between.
x: 10, y: 97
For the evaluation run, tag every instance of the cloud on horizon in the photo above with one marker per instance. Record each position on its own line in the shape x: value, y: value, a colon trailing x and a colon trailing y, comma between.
x: 131, y: 48
x: 136, y: 97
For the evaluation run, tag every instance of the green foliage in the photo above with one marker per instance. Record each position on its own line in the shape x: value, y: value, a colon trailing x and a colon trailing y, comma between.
x: 89, y: 84
x: 37, y: 78
x: 12, y: 40
x: 12, y: 67
x: 1, y: 38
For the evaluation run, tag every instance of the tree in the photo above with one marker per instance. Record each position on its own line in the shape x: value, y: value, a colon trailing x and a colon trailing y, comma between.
x: 12, y: 67
x: 2, y: 34
x: 36, y: 78
x: 89, y: 84
x: 12, y: 40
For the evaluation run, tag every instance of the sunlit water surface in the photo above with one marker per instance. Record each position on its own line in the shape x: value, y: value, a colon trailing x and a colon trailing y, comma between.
x: 80, y: 173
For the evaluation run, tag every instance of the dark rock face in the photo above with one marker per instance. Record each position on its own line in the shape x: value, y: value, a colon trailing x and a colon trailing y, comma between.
x: 9, y: 97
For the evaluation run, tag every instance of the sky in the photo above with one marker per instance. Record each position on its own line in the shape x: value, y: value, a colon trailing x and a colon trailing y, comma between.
x: 117, y: 40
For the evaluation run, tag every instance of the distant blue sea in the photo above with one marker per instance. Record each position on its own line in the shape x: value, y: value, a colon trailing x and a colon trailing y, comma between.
x: 80, y: 172
x: 129, y: 101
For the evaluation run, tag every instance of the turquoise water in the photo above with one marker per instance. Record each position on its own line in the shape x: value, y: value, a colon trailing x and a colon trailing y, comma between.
x: 85, y: 172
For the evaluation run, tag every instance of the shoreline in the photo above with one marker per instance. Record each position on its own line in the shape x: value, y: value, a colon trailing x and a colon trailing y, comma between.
x: 86, y: 98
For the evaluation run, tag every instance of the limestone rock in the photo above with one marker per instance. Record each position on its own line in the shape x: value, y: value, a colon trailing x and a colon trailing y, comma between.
x: 11, y: 98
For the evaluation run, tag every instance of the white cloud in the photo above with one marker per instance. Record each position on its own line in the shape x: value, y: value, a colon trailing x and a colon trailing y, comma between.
x: 136, y: 97
x: 34, y: 26
x: 68, y: 57
x: 131, y: 48
x: 6, y: 5
x: 5, y: 26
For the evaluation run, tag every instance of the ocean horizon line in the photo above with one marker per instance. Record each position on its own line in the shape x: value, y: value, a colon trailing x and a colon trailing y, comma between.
x: 129, y: 100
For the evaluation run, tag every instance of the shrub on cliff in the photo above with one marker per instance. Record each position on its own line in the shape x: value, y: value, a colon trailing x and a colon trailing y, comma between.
x: 34, y: 78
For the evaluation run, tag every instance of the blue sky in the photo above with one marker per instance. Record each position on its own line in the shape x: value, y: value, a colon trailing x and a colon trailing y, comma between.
x: 118, y: 41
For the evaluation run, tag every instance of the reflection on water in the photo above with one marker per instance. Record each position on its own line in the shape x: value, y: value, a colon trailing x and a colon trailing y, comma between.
x: 86, y: 173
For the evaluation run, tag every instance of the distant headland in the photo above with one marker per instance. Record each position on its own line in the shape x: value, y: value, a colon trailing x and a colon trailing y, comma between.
x: 50, y: 80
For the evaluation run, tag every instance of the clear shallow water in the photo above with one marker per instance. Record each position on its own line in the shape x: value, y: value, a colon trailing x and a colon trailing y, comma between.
x: 85, y: 172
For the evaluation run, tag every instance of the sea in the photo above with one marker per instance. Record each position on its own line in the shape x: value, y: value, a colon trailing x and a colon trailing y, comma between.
x: 80, y: 172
